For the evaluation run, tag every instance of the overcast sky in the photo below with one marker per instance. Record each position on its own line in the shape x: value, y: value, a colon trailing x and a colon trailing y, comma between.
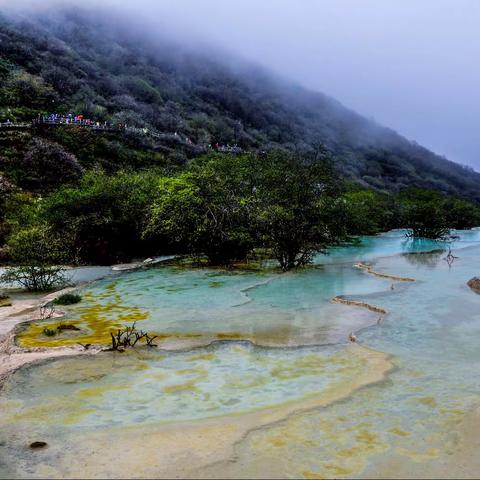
x: 413, y: 65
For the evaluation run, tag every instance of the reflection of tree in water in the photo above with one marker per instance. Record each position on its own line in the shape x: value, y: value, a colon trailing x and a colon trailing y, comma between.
x: 450, y: 258
x: 416, y: 251
x: 427, y: 259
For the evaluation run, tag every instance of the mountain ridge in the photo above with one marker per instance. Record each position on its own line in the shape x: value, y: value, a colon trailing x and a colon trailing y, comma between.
x: 79, y: 60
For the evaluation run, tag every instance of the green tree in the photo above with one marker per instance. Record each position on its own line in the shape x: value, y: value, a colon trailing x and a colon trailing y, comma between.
x: 462, y: 214
x: 102, y: 218
x: 6, y: 190
x: 38, y: 257
x: 26, y: 94
x: 207, y: 209
x: 45, y: 165
x: 367, y: 212
x: 424, y: 213
x: 299, y: 209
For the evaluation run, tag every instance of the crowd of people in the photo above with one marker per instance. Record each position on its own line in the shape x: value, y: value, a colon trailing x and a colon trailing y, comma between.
x: 226, y: 148
x: 80, y: 120
x: 72, y: 119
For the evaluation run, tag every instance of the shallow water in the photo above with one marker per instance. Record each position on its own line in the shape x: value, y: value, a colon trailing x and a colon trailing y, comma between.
x: 431, y: 330
x: 181, y: 304
x: 201, y: 305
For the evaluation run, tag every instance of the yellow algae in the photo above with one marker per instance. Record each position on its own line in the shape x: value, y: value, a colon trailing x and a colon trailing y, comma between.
x: 132, y: 317
x: 312, y: 475
x: 231, y: 336
x: 429, y: 454
x: 348, y: 452
x: 191, y: 385
x: 453, y: 411
x: 168, y: 336
x: 141, y: 366
x: 354, y: 428
x: 399, y: 432
x: 202, y: 357
x: 278, y: 442
x: 428, y: 401
x: 68, y: 413
x: 98, y: 391
x: 416, y: 389
x: 189, y: 371
x: 331, y: 471
x: 367, y: 438
x: 239, y: 349
x: 338, y: 470
x: 42, y: 413
x: 210, y: 433
x: 246, y: 384
x: 95, y: 323
x: 313, y: 365
x: 73, y: 416
x: 91, y: 372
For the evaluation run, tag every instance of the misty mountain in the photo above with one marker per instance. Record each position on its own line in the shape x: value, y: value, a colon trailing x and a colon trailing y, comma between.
x: 101, y: 66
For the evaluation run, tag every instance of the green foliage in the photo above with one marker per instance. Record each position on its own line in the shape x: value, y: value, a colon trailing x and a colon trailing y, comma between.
x: 424, y: 213
x: 38, y: 255
x: 18, y: 209
x: 101, y: 219
x: 112, y: 196
x: 25, y: 94
x: 49, y: 332
x: 43, y: 166
x: 368, y: 212
x: 37, y: 245
x: 207, y: 208
x: 68, y: 299
x: 5, y: 68
x: 462, y: 214
x: 6, y: 191
x: 299, y: 212
x: 223, y: 206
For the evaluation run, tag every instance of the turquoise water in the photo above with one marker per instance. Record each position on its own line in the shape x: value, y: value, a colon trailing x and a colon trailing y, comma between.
x: 431, y: 332
x: 393, y: 243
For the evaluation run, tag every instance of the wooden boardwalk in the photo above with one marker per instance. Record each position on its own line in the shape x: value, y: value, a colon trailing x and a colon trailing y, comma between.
x: 32, y: 125
x: 162, y: 136
x: 15, y: 126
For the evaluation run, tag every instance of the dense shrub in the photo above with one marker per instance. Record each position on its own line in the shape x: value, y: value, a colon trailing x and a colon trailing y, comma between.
x: 46, y: 165
x: 207, y: 209
x: 424, y: 213
x: 299, y: 210
x: 68, y: 299
x: 224, y: 206
x: 102, y: 218
x: 37, y: 253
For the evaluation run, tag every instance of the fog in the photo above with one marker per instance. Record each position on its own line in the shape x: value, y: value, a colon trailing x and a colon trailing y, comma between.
x: 411, y: 65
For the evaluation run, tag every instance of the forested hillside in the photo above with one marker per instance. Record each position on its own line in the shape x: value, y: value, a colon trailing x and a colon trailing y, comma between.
x: 78, y: 62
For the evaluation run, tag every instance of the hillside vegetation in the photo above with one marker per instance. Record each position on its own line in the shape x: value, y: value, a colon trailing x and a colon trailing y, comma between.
x: 113, y: 151
x: 82, y: 62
